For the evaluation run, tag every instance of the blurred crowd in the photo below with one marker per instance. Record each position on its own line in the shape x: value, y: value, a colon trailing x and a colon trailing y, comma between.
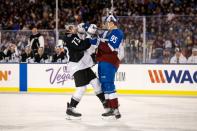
x: 162, y: 33
x: 171, y: 25
x: 20, y: 14
x: 31, y: 47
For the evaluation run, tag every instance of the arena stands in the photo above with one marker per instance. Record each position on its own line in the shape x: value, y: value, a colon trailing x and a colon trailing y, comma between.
x: 169, y: 24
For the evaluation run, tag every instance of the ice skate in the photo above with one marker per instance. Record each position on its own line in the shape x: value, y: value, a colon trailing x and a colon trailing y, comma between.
x: 116, y: 113
x: 71, y: 114
x: 111, y: 114
x: 108, y: 115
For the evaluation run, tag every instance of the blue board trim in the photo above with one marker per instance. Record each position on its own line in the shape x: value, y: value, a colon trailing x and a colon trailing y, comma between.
x: 23, y: 77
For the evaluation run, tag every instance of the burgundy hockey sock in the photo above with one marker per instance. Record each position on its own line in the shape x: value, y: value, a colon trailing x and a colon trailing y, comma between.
x: 113, y: 103
x: 108, y: 103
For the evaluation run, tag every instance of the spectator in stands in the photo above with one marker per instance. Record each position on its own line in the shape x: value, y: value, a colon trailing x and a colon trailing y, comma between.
x: 24, y: 13
x: 41, y: 57
x: 193, y: 58
x: 168, y: 28
x: 36, y: 41
x: 130, y: 51
x: 27, y: 55
x: 184, y: 52
x: 11, y: 53
x: 2, y: 56
x: 158, y: 45
x: 167, y: 43
x: 178, y: 57
x: 59, y: 55
x: 165, y: 57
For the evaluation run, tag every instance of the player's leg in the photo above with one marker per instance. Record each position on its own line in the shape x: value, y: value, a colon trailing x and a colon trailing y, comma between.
x: 109, y: 89
x: 80, y: 82
x: 98, y: 91
x: 107, y: 77
x: 93, y: 80
x: 75, y: 99
x: 101, y: 74
x: 114, y: 104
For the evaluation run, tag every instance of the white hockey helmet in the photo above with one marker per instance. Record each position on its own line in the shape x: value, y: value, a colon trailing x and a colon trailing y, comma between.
x: 70, y: 29
x: 111, y: 18
x: 92, y: 29
x: 60, y: 44
x: 80, y: 28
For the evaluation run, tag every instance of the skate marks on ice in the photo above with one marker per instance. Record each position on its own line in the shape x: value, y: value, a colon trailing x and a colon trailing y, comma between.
x: 162, y: 113
x: 46, y: 112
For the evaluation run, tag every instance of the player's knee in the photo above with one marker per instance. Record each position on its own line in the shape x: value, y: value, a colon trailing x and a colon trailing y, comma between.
x: 96, y: 85
x: 79, y: 92
x: 108, y: 87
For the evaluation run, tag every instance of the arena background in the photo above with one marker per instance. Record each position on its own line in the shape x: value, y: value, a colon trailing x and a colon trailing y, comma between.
x: 150, y: 27
x: 154, y: 93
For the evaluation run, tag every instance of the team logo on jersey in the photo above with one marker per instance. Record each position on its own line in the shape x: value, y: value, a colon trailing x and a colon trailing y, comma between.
x: 172, y: 76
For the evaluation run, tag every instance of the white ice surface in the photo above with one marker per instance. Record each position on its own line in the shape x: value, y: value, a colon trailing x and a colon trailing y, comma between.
x: 46, y: 112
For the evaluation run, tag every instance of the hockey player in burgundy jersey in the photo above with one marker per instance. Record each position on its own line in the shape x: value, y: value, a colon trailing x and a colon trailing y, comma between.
x: 108, y: 58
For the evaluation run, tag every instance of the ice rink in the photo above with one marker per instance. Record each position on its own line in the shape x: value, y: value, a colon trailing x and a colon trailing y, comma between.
x: 46, y: 112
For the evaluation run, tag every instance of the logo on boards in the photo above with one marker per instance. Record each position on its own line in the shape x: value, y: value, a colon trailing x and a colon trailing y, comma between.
x: 172, y: 76
x: 5, y: 75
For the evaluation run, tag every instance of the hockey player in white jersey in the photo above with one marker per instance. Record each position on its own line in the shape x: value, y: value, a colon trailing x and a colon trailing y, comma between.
x: 80, y: 63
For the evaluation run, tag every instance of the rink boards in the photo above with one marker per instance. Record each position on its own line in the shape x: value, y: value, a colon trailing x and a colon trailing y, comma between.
x: 141, y: 79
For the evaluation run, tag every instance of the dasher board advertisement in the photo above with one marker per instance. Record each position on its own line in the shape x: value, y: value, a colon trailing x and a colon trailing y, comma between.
x: 9, y: 77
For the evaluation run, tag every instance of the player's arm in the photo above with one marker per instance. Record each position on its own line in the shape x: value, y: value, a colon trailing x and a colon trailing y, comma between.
x: 29, y: 43
x: 79, y: 45
x: 114, y: 39
x: 16, y: 50
x: 41, y: 41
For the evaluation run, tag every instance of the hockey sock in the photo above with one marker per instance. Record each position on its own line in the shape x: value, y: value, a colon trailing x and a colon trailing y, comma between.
x: 77, y: 96
x: 101, y: 97
x: 73, y: 102
x: 107, y: 100
x: 113, y: 103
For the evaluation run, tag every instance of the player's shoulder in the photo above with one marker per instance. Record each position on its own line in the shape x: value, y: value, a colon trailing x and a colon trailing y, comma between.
x: 37, y: 35
x: 69, y: 35
x: 117, y: 32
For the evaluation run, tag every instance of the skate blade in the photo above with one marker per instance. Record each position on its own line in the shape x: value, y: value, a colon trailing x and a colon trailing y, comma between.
x: 68, y: 117
x: 108, y: 118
